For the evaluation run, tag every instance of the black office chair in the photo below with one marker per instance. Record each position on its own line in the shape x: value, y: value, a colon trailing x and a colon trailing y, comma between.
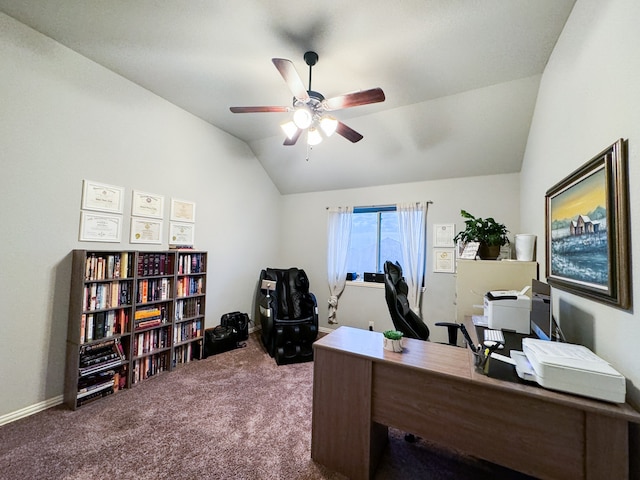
x: 404, y: 319
x: 288, y: 314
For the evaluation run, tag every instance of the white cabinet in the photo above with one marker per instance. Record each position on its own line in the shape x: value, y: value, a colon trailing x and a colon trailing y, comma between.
x: 475, y: 277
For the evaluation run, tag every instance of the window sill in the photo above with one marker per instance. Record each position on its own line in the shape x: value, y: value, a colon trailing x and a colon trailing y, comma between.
x: 362, y: 283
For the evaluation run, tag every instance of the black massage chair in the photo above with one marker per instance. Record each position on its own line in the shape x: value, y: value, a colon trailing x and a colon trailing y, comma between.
x: 288, y: 314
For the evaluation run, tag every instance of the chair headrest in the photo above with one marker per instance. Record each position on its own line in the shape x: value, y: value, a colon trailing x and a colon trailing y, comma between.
x: 393, y: 271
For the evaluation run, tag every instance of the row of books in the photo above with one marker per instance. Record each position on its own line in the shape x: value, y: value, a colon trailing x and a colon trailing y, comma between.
x: 186, y: 331
x: 100, y: 357
x: 149, y: 366
x: 98, y: 296
x: 151, y: 340
x: 94, y: 326
x: 149, y: 317
x: 185, y: 353
x: 89, y: 397
x: 106, y: 380
x: 187, y: 308
x: 108, y: 266
x: 191, y: 263
x: 153, y: 290
x: 155, y: 264
x: 189, y: 286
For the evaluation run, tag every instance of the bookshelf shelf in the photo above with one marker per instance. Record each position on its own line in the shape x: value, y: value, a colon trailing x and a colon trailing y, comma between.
x: 127, y: 321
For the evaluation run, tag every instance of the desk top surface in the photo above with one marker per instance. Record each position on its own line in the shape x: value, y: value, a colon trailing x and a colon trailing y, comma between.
x: 456, y: 362
x: 435, y: 357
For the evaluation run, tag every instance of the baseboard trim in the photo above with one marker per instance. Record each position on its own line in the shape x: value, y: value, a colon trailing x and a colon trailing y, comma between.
x: 30, y: 410
x: 55, y: 401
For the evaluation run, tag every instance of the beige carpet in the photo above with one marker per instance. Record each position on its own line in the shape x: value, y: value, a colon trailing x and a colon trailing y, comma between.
x: 236, y: 415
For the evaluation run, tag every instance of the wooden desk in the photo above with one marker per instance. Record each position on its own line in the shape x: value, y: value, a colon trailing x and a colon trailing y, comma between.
x: 433, y: 390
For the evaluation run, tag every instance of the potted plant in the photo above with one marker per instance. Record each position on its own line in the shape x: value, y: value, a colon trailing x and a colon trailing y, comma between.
x: 393, y: 340
x: 490, y: 234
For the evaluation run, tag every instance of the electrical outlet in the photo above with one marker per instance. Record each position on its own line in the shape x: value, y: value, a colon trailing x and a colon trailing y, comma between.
x: 370, y: 325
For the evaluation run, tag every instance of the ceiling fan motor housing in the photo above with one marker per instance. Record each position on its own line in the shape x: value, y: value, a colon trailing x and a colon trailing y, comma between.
x: 311, y: 58
x: 314, y: 105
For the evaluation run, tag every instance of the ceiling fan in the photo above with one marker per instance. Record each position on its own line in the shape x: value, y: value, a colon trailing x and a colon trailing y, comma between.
x: 311, y: 111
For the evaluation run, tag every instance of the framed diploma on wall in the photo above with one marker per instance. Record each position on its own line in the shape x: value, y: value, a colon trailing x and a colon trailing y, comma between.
x: 444, y: 260
x: 145, y: 204
x: 102, y: 197
x: 181, y: 234
x: 145, y: 230
x: 183, y: 211
x: 100, y: 227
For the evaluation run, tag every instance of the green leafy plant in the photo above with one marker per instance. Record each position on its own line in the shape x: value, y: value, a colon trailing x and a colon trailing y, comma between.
x: 393, y: 334
x: 486, y: 231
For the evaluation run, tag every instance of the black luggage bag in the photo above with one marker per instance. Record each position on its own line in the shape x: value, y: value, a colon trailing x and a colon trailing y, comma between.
x: 230, y: 334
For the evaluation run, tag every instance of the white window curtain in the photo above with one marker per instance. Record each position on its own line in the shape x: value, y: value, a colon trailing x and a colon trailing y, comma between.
x: 412, y: 222
x: 339, y: 235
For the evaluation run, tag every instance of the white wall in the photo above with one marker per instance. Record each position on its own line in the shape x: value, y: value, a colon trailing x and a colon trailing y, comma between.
x: 64, y: 119
x: 304, y: 243
x: 589, y: 97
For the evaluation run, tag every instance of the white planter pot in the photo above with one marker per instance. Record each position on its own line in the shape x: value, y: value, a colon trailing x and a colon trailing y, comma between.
x: 525, y: 246
x: 393, y: 345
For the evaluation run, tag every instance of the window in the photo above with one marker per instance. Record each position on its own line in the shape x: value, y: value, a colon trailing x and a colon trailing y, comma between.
x: 375, y: 238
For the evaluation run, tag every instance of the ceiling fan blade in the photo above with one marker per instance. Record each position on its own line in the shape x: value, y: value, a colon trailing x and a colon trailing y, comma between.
x: 294, y: 139
x: 355, y: 99
x: 291, y: 77
x: 348, y: 133
x: 258, y: 109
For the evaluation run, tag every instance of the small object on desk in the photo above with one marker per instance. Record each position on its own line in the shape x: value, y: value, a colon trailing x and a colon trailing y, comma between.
x: 490, y: 347
x: 480, y: 320
x: 493, y: 336
x: 523, y: 367
x: 503, y: 358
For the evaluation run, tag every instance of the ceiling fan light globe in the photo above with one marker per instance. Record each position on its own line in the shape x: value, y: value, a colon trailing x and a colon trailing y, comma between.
x: 328, y: 125
x: 289, y: 129
x: 302, y: 118
x: 313, y: 136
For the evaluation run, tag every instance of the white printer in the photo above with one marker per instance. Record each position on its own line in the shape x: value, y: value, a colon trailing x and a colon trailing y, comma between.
x: 571, y: 368
x: 508, y: 310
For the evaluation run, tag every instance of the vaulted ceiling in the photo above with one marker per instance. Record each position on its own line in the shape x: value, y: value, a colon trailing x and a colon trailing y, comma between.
x: 460, y: 76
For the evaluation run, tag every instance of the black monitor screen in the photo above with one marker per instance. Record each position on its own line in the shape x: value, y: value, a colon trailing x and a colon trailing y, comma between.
x: 541, y: 319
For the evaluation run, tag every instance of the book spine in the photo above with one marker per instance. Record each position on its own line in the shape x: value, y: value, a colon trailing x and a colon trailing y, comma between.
x: 90, y: 326
x: 83, y: 326
x: 110, y: 264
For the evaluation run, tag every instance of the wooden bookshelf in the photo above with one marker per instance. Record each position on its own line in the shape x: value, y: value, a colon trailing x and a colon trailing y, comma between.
x: 132, y: 315
x: 188, y: 328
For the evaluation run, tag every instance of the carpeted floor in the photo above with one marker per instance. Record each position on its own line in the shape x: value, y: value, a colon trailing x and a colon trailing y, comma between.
x: 236, y: 415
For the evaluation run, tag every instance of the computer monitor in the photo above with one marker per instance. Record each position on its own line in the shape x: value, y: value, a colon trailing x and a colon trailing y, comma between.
x: 543, y: 325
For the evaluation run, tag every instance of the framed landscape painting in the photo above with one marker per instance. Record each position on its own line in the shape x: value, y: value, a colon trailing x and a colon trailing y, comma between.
x: 587, y: 231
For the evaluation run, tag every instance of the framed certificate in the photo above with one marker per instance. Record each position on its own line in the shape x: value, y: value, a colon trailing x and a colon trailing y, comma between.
x: 181, y: 234
x: 100, y: 227
x: 147, y: 205
x: 183, y: 210
x: 102, y: 197
x: 443, y: 234
x: 444, y: 260
x: 145, y: 230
